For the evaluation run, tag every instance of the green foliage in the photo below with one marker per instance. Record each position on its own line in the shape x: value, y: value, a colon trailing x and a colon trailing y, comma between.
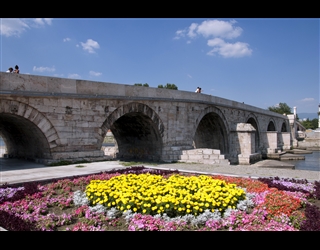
x: 168, y: 86
x: 65, y: 162
x: 281, y: 108
x: 140, y: 84
x: 134, y: 163
x: 313, y: 124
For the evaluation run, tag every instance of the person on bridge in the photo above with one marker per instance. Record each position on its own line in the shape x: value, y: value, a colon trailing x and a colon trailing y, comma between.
x: 197, y: 90
x: 16, y: 69
x: 10, y: 70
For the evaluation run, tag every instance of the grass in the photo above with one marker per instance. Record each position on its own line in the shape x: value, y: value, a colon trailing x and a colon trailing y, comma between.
x: 64, y: 162
x: 135, y: 163
x: 109, y: 139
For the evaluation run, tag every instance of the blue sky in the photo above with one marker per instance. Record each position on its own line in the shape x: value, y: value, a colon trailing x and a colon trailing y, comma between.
x: 258, y: 61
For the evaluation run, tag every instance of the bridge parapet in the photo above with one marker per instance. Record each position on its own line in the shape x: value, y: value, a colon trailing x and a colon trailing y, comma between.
x: 34, y: 85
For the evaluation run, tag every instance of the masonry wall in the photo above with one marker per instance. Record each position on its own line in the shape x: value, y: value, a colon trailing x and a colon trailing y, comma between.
x: 78, y: 114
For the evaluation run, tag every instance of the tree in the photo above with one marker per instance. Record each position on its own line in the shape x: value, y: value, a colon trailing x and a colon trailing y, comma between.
x: 313, y: 124
x: 281, y: 108
x: 168, y: 86
x: 140, y: 84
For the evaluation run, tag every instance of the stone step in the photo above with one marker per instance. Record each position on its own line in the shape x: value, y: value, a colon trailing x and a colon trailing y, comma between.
x: 204, y: 156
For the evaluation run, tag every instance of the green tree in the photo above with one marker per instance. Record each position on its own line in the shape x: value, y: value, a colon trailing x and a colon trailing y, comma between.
x: 168, y: 86
x: 140, y: 84
x: 313, y: 124
x: 281, y: 108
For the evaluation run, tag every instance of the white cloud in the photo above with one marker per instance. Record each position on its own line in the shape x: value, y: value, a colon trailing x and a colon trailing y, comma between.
x: 224, y: 49
x: 74, y: 76
x: 211, y: 28
x: 67, y: 39
x: 12, y: 26
x: 192, y: 29
x: 43, y: 21
x: 43, y: 69
x: 90, y: 45
x: 95, y: 73
x: 307, y: 99
x: 189, y: 76
x: 217, y: 31
x: 16, y: 26
x: 179, y: 33
x: 218, y: 28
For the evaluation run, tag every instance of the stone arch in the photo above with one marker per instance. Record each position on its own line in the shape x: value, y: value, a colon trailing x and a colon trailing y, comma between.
x: 252, y: 119
x: 27, y: 133
x: 271, y: 126
x: 211, y: 130
x: 284, y: 127
x: 138, y: 131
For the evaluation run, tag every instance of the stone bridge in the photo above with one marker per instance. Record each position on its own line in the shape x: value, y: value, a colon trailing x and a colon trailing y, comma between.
x: 49, y: 119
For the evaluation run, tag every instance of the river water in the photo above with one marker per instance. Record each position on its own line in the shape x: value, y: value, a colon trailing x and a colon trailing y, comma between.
x: 311, y: 161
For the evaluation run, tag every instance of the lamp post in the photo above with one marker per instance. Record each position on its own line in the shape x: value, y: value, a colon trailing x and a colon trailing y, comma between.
x: 319, y: 116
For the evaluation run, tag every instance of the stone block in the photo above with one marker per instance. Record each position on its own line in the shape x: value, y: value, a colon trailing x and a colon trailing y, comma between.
x: 195, y: 157
x: 175, y: 148
x: 207, y: 161
x: 216, y: 151
x: 184, y: 157
x: 214, y: 157
x: 207, y: 151
x: 192, y: 152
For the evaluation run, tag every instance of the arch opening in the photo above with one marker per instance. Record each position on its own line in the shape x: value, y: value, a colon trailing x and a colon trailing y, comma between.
x: 136, y: 131
x: 137, y: 137
x: 284, y: 127
x: 22, y: 138
x: 211, y: 133
x: 3, y: 147
x: 254, y: 124
x: 271, y: 126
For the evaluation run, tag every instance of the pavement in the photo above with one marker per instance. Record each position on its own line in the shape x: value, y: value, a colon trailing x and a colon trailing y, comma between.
x: 19, y: 171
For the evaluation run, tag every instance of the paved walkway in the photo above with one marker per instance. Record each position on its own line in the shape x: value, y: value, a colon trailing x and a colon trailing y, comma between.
x: 17, y: 171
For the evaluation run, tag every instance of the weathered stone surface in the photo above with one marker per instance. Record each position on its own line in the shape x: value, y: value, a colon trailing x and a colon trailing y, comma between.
x: 65, y: 117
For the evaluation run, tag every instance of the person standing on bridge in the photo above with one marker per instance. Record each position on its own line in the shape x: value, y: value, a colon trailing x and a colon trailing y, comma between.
x: 16, y: 69
x: 10, y: 70
x: 197, y: 90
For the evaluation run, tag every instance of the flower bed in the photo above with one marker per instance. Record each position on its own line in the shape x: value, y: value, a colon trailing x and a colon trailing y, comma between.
x: 141, y: 199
